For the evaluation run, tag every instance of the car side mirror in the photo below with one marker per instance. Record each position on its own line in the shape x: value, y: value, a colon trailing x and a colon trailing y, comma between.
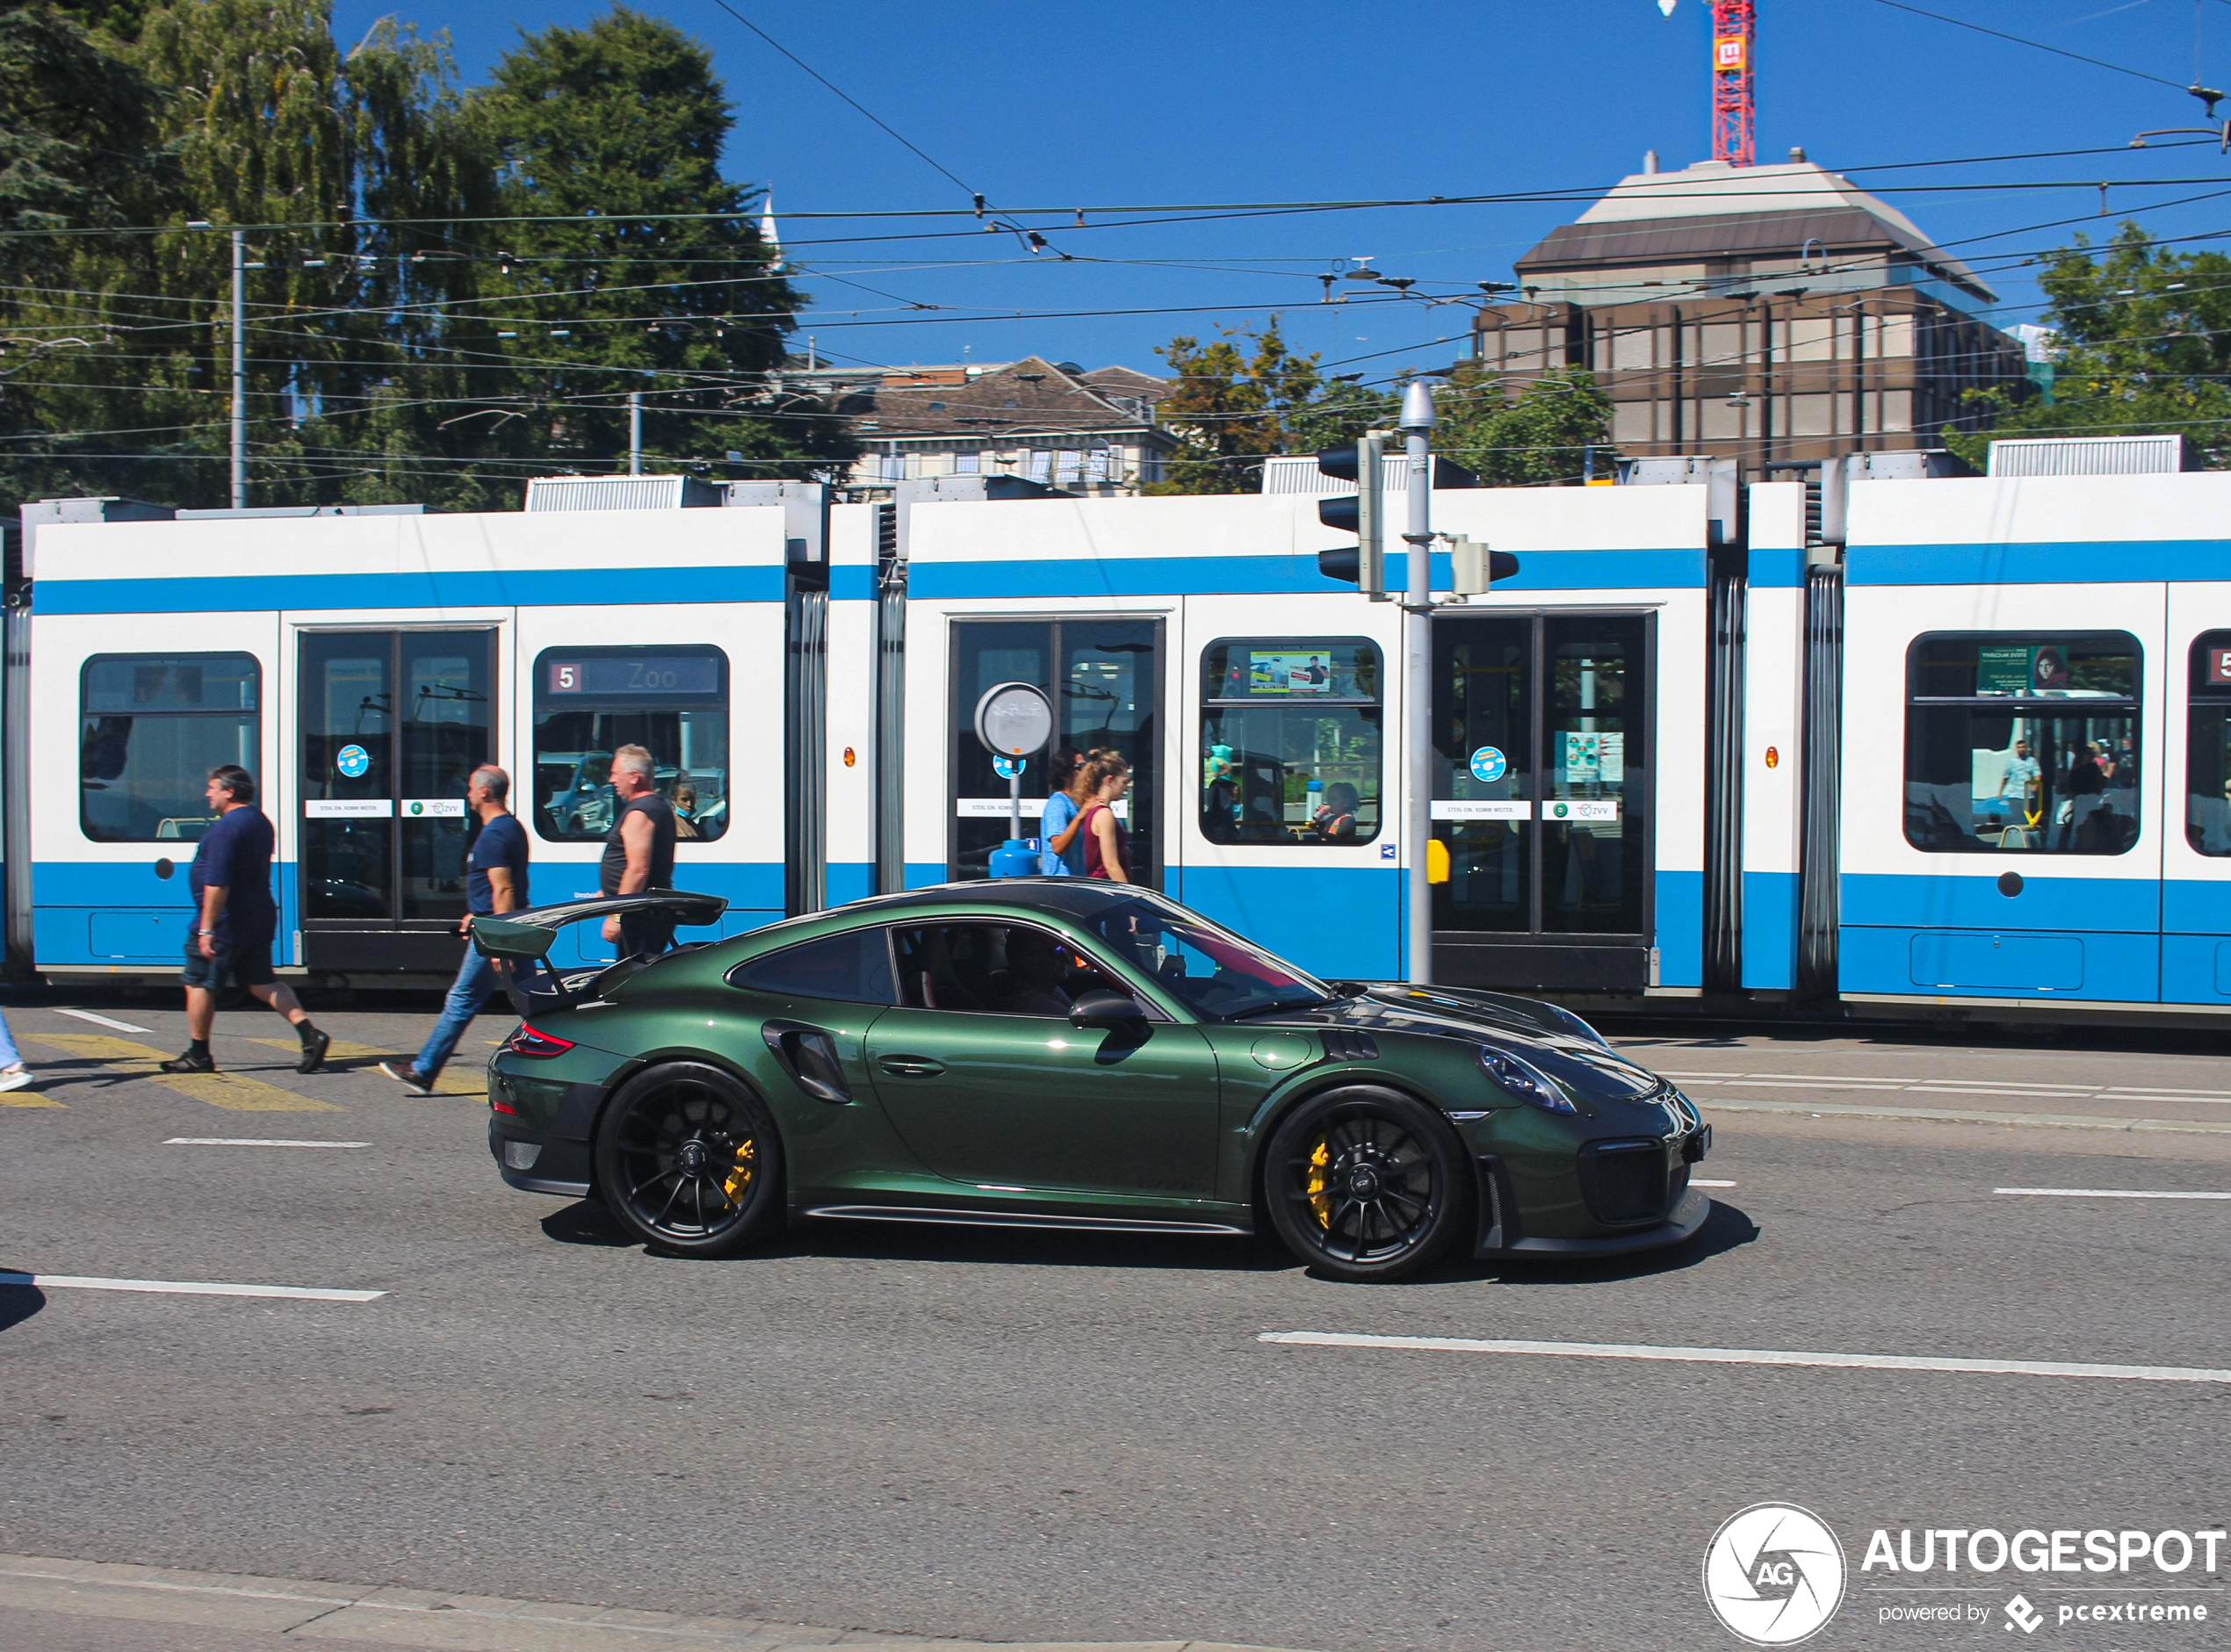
x: 1101, y: 1009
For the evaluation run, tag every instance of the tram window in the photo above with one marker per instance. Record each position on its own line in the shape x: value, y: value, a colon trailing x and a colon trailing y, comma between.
x: 2207, y: 758
x: 671, y: 700
x: 151, y: 728
x: 1290, y: 740
x: 2020, y: 743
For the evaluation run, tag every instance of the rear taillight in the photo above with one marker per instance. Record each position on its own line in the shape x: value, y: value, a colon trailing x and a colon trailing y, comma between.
x: 527, y: 1041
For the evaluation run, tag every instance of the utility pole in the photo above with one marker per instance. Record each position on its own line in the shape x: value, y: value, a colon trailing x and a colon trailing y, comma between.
x: 1418, y: 420
x: 239, y: 370
x: 635, y: 433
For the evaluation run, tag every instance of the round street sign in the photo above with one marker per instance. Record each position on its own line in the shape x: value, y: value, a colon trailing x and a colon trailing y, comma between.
x: 1009, y: 768
x: 1013, y: 720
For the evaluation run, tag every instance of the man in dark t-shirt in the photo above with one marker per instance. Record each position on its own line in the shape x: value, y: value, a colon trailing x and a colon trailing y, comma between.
x: 235, y: 921
x: 495, y: 881
x: 638, y: 854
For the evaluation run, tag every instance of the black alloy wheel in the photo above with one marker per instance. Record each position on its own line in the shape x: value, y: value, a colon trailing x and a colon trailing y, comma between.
x: 1367, y: 1184
x: 689, y: 1160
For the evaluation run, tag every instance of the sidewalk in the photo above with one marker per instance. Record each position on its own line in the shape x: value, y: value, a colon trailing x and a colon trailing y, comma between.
x: 66, y: 1606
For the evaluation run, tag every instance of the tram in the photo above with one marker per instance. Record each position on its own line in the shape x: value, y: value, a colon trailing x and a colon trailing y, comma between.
x: 1903, y: 742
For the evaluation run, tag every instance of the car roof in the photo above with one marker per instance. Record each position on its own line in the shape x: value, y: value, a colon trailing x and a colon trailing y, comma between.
x: 1076, y: 897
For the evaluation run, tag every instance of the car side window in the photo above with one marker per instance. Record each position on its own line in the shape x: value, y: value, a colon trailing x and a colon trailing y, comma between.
x: 991, y: 968
x: 853, y: 968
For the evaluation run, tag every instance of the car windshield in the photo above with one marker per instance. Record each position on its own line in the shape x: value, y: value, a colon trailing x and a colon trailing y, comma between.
x: 1212, y: 971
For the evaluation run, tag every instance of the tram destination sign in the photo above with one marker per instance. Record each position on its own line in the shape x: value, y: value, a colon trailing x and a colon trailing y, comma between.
x: 632, y: 675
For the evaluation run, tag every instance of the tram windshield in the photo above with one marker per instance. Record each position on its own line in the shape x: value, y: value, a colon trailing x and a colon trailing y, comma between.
x: 670, y: 699
x: 1290, y: 740
x: 2025, y: 744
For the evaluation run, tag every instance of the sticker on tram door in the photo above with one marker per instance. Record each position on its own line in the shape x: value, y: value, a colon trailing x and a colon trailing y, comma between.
x: 1583, y: 809
x: 436, y: 808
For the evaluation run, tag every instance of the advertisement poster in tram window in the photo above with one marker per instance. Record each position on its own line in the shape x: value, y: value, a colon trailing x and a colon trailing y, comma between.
x: 1289, y: 674
x: 2021, y: 671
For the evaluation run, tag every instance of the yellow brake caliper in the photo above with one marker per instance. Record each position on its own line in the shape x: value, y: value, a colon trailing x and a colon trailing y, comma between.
x: 739, y: 1178
x: 1320, y: 1200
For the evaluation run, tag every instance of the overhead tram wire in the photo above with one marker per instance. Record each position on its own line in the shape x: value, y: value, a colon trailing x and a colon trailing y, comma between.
x: 2058, y: 50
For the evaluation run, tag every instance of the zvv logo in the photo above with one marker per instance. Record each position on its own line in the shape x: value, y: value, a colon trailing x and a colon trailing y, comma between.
x: 1775, y: 1574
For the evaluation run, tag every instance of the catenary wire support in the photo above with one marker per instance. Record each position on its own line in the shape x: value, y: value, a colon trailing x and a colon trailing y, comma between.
x: 1417, y: 420
x: 239, y: 370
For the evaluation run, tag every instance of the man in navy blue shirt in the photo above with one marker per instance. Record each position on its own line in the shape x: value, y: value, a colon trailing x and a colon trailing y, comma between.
x: 234, y: 922
x: 495, y: 881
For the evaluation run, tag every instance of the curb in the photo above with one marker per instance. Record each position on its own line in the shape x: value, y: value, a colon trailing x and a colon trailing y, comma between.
x: 301, y: 1609
x: 1944, y: 1115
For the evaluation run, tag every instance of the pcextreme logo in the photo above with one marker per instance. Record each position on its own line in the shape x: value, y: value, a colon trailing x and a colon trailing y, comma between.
x: 1774, y: 1574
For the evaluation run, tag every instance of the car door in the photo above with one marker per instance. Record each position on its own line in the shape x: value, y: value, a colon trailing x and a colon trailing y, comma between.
x: 985, y: 1079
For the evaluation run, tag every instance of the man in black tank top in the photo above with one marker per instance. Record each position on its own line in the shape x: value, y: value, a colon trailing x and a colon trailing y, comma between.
x: 638, y: 853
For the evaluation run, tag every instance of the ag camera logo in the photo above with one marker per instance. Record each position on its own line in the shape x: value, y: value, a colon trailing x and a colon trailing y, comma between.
x: 1774, y: 1574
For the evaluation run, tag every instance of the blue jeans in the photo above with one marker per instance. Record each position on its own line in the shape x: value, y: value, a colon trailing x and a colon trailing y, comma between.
x: 8, y: 1055
x: 476, y: 979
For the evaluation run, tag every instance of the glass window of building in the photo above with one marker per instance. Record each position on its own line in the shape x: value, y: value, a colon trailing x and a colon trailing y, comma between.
x: 1291, y: 737
x: 2208, y: 760
x: 151, y: 728
x: 671, y: 699
x: 2023, y: 743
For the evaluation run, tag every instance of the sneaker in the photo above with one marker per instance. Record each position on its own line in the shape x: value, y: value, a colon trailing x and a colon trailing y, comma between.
x: 190, y: 1063
x: 314, y: 1048
x: 15, y: 1078
x: 405, y: 1075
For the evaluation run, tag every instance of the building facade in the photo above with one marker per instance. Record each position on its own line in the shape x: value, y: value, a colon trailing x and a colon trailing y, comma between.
x: 1771, y: 315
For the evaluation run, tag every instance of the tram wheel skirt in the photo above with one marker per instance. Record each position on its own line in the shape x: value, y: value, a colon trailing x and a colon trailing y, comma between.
x: 1537, y: 964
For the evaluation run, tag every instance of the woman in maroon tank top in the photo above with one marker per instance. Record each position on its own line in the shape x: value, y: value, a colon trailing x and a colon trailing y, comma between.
x: 1108, y: 846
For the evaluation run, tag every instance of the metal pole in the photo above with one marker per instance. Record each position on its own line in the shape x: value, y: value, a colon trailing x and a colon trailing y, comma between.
x: 239, y: 370
x: 1014, y: 802
x: 635, y: 433
x: 1417, y: 420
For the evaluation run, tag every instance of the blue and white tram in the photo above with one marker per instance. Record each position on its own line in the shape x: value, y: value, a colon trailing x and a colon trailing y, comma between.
x: 1949, y: 746
x: 361, y: 665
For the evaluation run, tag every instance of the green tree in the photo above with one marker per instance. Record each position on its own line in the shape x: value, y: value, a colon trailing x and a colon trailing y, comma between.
x: 605, y: 133
x: 2144, y: 337
x: 1231, y: 408
x: 1543, y: 434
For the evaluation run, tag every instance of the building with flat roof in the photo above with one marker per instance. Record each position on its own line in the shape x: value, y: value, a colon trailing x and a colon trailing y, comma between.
x: 1772, y: 314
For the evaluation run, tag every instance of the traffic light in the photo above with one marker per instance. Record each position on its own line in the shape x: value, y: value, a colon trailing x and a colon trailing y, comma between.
x: 1357, y: 513
x: 1474, y: 567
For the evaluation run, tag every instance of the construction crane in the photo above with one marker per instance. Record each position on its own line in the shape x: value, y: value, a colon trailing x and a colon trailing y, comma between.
x: 1734, y: 24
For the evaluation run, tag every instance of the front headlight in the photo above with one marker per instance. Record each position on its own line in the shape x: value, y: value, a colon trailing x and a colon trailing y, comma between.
x: 1576, y: 1027
x: 1525, y: 1080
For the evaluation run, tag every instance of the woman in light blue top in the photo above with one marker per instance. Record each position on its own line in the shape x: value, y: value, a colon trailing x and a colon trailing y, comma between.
x: 1064, y: 855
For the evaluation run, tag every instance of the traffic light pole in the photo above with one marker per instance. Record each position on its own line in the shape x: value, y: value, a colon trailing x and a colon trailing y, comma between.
x: 1418, y: 420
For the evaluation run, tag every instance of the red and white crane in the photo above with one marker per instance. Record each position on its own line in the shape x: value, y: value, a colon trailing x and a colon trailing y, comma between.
x: 1734, y: 24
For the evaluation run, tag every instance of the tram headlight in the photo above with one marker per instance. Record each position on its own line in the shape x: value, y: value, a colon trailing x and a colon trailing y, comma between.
x: 1525, y: 1080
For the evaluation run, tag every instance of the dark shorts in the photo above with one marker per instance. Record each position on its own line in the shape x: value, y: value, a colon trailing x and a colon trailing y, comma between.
x: 234, y: 964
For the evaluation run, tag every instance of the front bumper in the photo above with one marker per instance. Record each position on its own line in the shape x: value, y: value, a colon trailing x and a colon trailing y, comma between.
x: 1687, y: 1217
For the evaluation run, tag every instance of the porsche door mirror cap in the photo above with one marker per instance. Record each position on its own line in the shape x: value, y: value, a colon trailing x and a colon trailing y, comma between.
x: 1102, y: 1008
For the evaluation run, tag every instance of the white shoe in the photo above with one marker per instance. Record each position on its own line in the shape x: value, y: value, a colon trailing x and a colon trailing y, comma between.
x: 15, y: 1078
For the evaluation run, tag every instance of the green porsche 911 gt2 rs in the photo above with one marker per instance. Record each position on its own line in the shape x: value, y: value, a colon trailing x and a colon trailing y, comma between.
x: 1060, y: 1053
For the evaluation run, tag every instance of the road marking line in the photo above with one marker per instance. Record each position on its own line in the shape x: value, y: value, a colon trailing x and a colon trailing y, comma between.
x: 2104, y: 1193
x: 1699, y: 1181
x: 2019, y: 1089
x: 28, y: 1097
x: 184, y: 1288
x: 227, y: 1090
x: 100, y: 1020
x: 448, y: 1083
x: 250, y: 1141
x: 1754, y: 1356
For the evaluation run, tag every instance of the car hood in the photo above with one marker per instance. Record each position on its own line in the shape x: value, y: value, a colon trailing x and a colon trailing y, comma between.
x: 1520, y: 1026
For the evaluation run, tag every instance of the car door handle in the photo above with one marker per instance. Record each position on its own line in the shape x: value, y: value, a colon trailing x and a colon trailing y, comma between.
x: 910, y: 1066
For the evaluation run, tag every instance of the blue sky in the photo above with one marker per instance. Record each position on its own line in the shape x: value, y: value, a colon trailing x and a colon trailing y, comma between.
x: 1049, y: 104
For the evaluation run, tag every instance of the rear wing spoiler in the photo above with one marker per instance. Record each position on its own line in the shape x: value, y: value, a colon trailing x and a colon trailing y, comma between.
x: 518, y: 942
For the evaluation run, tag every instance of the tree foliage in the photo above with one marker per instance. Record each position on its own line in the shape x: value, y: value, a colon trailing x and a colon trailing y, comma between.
x: 1542, y: 434
x: 2143, y: 338
x: 1246, y: 395
x: 400, y: 345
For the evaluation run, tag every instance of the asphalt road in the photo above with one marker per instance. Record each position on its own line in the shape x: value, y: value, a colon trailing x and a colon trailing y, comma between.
x: 1031, y: 1437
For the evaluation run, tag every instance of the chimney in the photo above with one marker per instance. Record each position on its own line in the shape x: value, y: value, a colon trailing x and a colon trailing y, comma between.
x: 1797, y: 153
x: 1650, y: 160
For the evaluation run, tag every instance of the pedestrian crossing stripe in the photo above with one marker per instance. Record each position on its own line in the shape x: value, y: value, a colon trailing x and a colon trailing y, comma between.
x: 231, y: 1091
x: 448, y: 1083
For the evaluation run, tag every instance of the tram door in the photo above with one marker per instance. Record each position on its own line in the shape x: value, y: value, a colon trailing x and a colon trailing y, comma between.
x: 1541, y: 798
x: 1105, y: 678
x: 393, y: 723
